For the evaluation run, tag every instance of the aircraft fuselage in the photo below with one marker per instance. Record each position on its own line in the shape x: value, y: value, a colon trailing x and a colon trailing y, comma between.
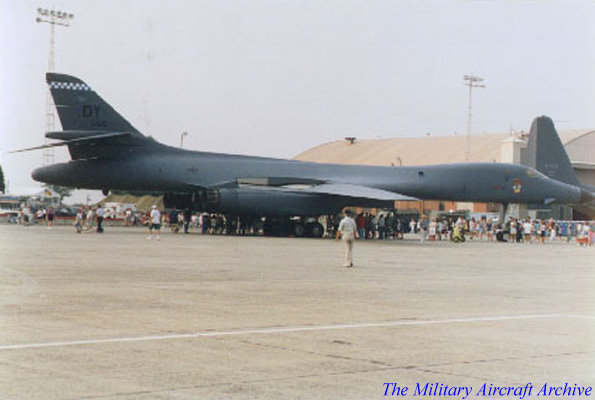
x: 167, y: 169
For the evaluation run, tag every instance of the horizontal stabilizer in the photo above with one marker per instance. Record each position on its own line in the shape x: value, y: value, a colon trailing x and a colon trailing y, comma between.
x: 76, y: 139
x: 69, y: 135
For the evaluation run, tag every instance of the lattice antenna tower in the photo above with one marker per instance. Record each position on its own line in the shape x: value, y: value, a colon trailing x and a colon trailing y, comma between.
x: 53, y: 18
x: 471, y: 81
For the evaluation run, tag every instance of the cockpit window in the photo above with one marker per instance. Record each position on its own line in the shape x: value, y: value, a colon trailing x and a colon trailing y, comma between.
x: 533, y: 173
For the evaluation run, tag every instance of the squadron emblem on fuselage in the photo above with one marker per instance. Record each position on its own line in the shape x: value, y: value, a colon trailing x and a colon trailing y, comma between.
x: 517, y: 187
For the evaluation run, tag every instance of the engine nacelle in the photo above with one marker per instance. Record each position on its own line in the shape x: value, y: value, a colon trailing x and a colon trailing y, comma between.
x: 270, y: 202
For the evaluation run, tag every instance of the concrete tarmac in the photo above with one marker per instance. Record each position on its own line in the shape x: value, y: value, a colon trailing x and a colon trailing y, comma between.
x: 117, y: 316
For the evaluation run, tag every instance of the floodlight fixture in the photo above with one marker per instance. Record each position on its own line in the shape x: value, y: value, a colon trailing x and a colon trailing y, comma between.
x: 472, y: 78
x: 54, y: 17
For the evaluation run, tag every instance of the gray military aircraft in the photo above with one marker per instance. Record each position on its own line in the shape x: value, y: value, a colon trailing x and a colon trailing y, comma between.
x: 108, y: 153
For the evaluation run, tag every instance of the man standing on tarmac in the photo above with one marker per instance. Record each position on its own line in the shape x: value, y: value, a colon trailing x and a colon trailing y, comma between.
x: 155, y: 223
x: 99, y: 214
x: 187, y: 218
x: 347, y: 231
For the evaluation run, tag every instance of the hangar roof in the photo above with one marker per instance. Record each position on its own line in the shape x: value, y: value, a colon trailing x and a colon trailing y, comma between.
x: 581, y: 148
x: 580, y: 145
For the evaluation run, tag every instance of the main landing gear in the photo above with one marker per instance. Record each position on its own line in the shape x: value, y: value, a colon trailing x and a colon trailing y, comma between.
x: 298, y: 227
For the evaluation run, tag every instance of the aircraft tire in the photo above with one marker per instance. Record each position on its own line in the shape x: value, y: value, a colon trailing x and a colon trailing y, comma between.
x: 316, y: 230
x: 274, y: 229
x: 299, y: 230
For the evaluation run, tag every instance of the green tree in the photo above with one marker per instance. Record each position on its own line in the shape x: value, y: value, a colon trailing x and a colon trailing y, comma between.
x: 61, y: 190
x: 2, y: 184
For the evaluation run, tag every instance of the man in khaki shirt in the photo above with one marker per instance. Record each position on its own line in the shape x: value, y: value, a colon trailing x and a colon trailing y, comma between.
x: 348, y: 232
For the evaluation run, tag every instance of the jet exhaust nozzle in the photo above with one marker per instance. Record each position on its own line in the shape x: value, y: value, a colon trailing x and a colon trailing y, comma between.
x: 39, y: 175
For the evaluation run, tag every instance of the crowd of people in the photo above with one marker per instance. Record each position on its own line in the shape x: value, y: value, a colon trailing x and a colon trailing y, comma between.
x: 188, y: 221
x: 381, y: 226
x: 518, y: 230
x: 91, y: 218
x: 28, y: 216
x: 370, y: 226
x: 514, y: 230
x: 176, y: 221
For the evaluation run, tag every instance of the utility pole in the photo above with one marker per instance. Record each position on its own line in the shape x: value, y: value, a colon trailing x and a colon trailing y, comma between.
x: 473, y: 82
x: 52, y: 18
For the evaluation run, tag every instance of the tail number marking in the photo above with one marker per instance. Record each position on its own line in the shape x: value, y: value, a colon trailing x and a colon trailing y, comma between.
x: 93, y: 112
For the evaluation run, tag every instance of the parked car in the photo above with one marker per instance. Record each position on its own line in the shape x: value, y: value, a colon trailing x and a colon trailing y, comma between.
x: 66, y: 211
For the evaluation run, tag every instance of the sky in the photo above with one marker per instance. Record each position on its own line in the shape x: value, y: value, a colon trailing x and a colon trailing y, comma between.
x: 277, y: 77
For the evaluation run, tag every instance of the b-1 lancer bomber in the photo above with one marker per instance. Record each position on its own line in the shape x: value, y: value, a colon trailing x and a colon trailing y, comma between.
x: 108, y: 153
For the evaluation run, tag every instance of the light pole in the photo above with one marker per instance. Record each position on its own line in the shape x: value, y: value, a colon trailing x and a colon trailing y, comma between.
x: 182, y: 136
x: 53, y: 18
x: 473, y: 82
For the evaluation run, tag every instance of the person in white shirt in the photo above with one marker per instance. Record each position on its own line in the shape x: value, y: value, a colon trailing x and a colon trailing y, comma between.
x: 155, y: 223
x: 100, y: 213
x: 347, y: 231
x: 528, y: 231
x: 90, y: 218
x: 412, y: 226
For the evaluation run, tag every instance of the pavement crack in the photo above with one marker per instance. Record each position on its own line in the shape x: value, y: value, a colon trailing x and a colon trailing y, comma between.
x: 314, y: 353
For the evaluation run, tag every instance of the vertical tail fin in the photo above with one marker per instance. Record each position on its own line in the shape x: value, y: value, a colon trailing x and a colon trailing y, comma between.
x: 546, y: 153
x: 91, y: 127
x: 81, y: 109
